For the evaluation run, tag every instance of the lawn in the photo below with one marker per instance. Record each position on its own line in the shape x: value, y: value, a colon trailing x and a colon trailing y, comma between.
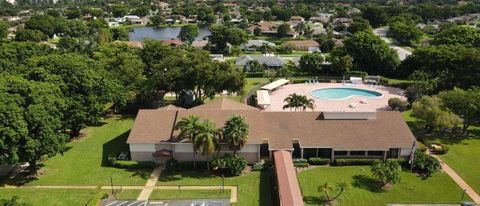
x: 50, y: 197
x: 463, y: 151
x: 85, y: 162
x: 254, y: 188
x: 363, y: 190
x: 189, y: 194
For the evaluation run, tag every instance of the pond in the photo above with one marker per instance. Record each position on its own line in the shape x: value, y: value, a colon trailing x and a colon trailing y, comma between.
x: 162, y: 33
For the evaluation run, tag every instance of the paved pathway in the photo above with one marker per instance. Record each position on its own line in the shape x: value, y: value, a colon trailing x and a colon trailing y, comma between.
x: 382, y: 33
x: 464, y: 185
x: 151, y: 182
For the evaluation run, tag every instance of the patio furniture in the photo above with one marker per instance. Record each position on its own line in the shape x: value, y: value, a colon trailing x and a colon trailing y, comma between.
x: 363, y: 101
x: 352, y: 105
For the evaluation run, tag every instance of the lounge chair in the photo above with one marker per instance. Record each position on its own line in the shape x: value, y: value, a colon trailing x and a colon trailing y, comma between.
x: 363, y: 101
x: 352, y: 105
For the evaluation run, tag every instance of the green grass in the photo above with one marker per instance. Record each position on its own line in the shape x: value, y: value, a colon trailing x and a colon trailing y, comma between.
x: 125, y: 194
x: 189, y: 194
x: 463, y: 151
x: 363, y: 189
x: 254, y: 188
x: 50, y: 197
x: 85, y: 162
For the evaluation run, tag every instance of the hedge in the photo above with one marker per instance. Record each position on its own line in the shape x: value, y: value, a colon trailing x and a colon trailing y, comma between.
x: 346, y: 162
x: 254, y: 74
x: 318, y: 161
x: 95, y: 200
x: 300, y: 160
x: 127, y: 164
x: 188, y: 165
x: 301, y: 164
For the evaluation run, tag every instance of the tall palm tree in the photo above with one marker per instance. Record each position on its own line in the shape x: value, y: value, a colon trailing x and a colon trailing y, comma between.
x: 296, y: 102
x: 207, y: 140
x: 235, y: 133
x: 189, y: 127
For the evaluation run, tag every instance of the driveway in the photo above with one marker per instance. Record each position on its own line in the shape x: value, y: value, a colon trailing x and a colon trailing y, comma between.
x: 382, y: 33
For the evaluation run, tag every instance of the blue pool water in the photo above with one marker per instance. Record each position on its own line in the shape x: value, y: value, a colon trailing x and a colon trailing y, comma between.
x: 343, y: 93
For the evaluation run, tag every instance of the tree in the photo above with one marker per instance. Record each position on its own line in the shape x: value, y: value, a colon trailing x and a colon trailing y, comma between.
x: 188, y: 33
x: 119, y: 10
x: 449, y: 65
x: 207, y: 140
x: 43, y: 23
x: 157, y: 20
x: 359, y: 24
x: 235, y: 133
x: 283, y: 30
x: 222, y: 36
x: 462, y: 35
x: 270, y: 74
x: 464, y: 103
x: 404, y: 33
x: 257, y: 31
x: 327, y: 189
x: 371, y: 54
x: 311, y: 63
x: 429, y: 109
x: 85, y: 84
x: 375, y: 15
x: 189, y: 129
x: 387, y: 172
x: 254, y: 66
x: 341, y: 63
x: 3, y: 29
x: 34, y: 127
x: 13, y: 202
x: 30, y: 35
x: 73, y: 13
x: 326, y: 42
x: 119, y: 34
x: 142, y: 11
x: 298, y: 102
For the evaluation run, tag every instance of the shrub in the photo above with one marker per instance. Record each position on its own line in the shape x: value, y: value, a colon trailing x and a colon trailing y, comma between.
x: 262, y: 165
x: 356, y: 74
x: 234, y: 164
x: 318, y: 161
x: 171, y: 164
x: 422, y: 148
x: 442, y: 150
x: 425, y: 164
x: 127, y: 164
x: 301, y: 164
x: 189, y: 165
x: 300, y: 160
x: 398, y: 104
x: 346, y: 162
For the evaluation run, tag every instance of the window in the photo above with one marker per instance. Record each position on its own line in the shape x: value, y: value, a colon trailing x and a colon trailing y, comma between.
x: 375, y: 153
x: 357, y: 153
x: 340, y: 153
x: 309, y: 152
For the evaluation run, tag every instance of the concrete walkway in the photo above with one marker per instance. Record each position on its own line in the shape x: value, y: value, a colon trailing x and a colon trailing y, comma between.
x: 151, y: 182
x: 460, y: 182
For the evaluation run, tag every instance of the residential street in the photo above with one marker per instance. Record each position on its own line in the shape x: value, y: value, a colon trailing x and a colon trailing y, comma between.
x: 382, y: 33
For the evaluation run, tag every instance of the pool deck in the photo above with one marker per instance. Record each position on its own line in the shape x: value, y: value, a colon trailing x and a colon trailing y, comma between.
x: 373, y: 103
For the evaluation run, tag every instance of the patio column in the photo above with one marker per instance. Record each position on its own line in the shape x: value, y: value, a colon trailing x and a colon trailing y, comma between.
x: 332, y: 155
x: 384, y: 155
x: 301, y: 153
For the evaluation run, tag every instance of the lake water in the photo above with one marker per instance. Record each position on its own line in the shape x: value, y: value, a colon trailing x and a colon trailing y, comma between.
x: 164, y: 33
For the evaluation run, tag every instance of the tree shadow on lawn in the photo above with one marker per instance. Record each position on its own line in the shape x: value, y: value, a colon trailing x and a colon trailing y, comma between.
x: 114, y: 147
x: 367, y: 183
x: 266, y: 188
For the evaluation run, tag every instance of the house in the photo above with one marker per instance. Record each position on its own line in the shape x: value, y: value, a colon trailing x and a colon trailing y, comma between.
x: 381, y: 134
x: 321, y: 18
x: 303, y: 45
x: 271, y: 62
x: 297, y: 19
x: 266, y: 27
x: 344, y: 21
x: 164, y: 8
x: 254, y: 45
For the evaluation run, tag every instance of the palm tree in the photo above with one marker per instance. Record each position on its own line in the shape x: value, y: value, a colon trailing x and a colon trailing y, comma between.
x: 207, y: 140
x: 188, y: 127
x: 296, y: 101
x: 327, y: 189
x: 235, y: 133
x: 267, y: 48
x: 387, y: 172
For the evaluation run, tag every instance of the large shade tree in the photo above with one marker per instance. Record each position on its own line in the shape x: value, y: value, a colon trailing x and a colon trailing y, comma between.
x: 235, y: 133
x: 464, y: 103
x: 30, y: 121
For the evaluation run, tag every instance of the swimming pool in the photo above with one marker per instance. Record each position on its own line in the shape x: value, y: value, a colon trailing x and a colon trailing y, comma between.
x: 343, y: 93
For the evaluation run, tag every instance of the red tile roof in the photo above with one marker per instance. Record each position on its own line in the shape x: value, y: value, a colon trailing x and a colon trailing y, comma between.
x: 288, y: 188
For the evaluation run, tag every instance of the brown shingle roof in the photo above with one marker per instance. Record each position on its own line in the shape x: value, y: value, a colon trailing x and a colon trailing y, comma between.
x: 224, y: 104
x: 302, y: 43
x: 388, y: 130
